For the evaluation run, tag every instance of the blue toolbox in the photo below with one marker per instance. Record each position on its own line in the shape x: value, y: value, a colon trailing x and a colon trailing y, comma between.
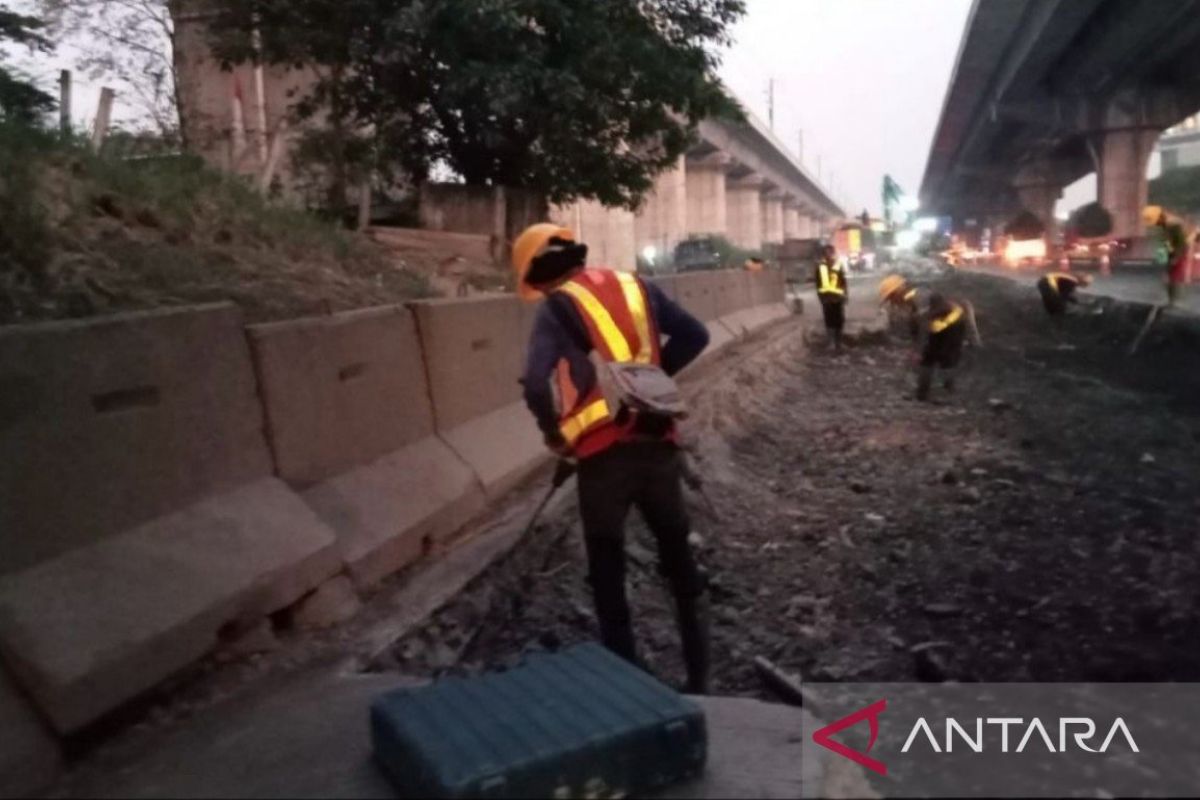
x: 578, y: 723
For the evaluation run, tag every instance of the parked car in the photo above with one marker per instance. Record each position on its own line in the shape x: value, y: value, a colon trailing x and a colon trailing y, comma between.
x: 695, y: 254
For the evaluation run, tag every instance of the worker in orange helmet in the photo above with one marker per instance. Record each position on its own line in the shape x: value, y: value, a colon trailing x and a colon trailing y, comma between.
x: 1176, y: 239
x: 597, y: 381
x: 899, y: 299
x: 946, y: 327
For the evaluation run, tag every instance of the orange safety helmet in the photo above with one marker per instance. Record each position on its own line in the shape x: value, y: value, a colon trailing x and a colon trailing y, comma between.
x: 528, y: 246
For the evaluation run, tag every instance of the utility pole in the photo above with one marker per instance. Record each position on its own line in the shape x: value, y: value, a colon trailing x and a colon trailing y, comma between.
x: 771, y: 103
x: 800, y: 146
x: 64, y: 104
x: 819, y: 178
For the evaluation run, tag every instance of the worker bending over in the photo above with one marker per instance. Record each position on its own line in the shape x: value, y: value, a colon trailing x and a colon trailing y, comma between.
x: 945, y: 326
x: 1058, y: 289
x: 900, y: 301
x: 597, y: 334
x: 833, y: 293
x: 1176, y: 238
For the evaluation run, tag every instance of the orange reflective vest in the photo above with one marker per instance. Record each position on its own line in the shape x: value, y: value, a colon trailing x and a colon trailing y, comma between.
x: 615, y: 310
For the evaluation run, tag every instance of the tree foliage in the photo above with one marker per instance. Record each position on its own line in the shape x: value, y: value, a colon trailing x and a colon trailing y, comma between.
x: 20, y: 100
x: 569, y: 98
x: 1178, y: 190
x: 1091, y: 220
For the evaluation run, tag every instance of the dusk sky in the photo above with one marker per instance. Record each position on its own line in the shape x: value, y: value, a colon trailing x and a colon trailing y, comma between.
x: 863, y: 79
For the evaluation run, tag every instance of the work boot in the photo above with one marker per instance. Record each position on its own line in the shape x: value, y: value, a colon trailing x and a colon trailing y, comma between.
x: 924, y: 383
x: 693, y: 617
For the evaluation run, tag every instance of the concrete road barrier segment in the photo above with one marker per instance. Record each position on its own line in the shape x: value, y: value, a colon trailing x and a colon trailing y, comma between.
x: 29, y: 756
x: 108, y: 423
x: 351, y: 422
x: 474, y: 353
x: 138, y: 514
x: 93, y: 628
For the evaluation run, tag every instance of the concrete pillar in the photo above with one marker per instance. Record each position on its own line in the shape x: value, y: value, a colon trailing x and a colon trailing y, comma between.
x: 608, y: 232
x: 791, y: 222
x: 772, y: 218
x: 743, y: 200
x: 661, y: 222
x: 1040, y: 199
x: 1122, y: 157
x: 705, y: 199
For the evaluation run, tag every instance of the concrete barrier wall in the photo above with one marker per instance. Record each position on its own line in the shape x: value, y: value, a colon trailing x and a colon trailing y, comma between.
x: 106, y: 424
x: 350, y: 420
x: 474, y: 351
x: 138, y: 513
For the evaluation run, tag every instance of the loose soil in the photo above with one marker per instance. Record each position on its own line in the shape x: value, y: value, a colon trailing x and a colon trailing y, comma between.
x: 1040, y: 524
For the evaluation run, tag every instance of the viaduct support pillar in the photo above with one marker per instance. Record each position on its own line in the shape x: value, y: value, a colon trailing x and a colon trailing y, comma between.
x: 661, y: 222
x: 772, y: 218
x: 745, y: 213
x: 1122, y: 157
x: 705, y: 198
x: 1040, y: 199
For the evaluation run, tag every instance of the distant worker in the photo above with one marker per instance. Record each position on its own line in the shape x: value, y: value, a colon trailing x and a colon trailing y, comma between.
x: 946, y: 325
x: 1058, y: 289
x: 754, y: 264
x: 1176, y: 239
x: 900, y: 301
x: 596, y: 345
x: 833, y: 293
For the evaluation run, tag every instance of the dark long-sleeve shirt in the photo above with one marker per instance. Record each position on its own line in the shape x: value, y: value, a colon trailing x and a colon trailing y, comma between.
x: 560, y: 333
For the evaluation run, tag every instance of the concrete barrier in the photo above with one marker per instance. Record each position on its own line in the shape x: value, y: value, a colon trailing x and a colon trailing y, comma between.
x: 29, y: 756
x: 138, y: 514
x: 695, y: 291
x: 474, y: 351
x: 350, y: 422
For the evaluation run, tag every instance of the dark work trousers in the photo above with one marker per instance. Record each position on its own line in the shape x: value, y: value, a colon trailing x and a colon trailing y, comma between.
x: 834, y: 310
x: 647, y: 475
x: 942, y: 350
x: 1055, y: 302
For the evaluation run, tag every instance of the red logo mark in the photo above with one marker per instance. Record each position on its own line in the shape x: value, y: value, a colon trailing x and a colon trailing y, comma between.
x: 871, y: 714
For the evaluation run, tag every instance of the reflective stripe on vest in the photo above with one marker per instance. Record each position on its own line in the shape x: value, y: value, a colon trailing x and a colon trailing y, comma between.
x: 939, y: 325
x: 616, y: 343
x: 829, y: 282
x: 909, y: 295
x: 1054, y: 277
x: 611, y: 342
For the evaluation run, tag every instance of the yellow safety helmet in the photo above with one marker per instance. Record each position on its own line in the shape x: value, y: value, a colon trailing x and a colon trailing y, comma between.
x: 532, y: 241
x: 890, y: 285
x: 1152, y: 214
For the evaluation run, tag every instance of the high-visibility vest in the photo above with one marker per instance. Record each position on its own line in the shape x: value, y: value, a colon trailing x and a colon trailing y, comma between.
x: 1054, y: 277
x: 829, y: 280
x: 910, y: 296
x: 615, y: 309
x: 940, y: 324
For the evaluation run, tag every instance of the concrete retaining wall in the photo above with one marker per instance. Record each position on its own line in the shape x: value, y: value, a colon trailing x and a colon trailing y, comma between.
x: 149, y: 492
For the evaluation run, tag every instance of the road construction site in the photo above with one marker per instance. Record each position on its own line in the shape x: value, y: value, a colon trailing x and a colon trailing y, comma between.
x: 1039, y: 524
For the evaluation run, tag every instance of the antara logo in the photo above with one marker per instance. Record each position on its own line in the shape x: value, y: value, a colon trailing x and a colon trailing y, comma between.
x: 1069, y: 730
x: 1068, y: 727
x: 871, y: 714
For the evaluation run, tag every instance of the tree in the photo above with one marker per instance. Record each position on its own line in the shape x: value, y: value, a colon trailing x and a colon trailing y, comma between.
x: 129, y: 42
x: 568, y: 98
x: 1091, y: 220
x: 1025, y: 226
x: 20, y: 100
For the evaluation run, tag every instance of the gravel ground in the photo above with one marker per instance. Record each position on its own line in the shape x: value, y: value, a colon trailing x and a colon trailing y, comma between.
x: 1038, y: 525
